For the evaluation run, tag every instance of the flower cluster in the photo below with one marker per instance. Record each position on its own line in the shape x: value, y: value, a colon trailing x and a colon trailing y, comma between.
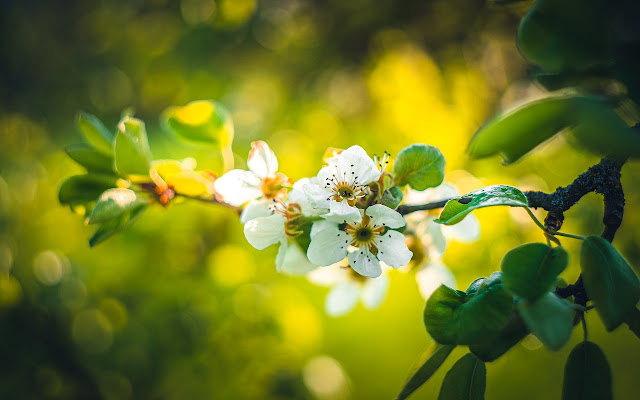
x: 337, y: 220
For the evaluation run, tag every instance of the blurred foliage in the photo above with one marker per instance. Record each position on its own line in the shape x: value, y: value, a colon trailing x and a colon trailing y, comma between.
x: 181, y: 306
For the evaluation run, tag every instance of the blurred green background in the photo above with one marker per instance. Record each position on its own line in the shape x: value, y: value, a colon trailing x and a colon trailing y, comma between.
x: 180, y: 306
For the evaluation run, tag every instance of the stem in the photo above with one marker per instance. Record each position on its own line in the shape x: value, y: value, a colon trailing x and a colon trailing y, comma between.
x: 569, y: 235
x: 584, y: 327
x: 434, y: 205
x: 535, y: 219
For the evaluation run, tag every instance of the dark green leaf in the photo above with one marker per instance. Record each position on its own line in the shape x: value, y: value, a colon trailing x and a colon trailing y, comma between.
x: 495, y: 195
x: 549, y: 318
x: 611, y: 284
x: 453, y: 317
x: 420, y: 166
x: 95, y: 133
x: 202, y: 121
x: 436, y: 354
x: 601, y: 130
x: 515, y: 133
x: 113, y: 203
x: 84, y: 188
x: 110, y: 227
x: 587, y: 375
x: 513, y: 332
x: 530, y: 270
x: 392, y: 197
x: 466, y: 380
x: 132, y: 153
x: 633, y: 321
x: 90, y: 158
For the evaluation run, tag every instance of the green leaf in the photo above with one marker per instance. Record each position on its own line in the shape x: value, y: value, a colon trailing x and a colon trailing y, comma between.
x: 515, y: 133
x: 611, y: 284
x: 467, y: 380
x: 513, y: 332
x: 420, y: 166
x: 602, y: 131
x: 112, y: 226
x: 392, y: 197
x: 203, y: 121
x: 90, y: 158
x: 436, y: 354
x: 84, y: 188
x: 633, y: 321
x: 549, y: 318
x: 132, y: 152
x: 95, y: 133
x: 530, y: 270
x: 587, y: 375
x: 113, y: 203
x: 496, y: 195
x: 454, y: 317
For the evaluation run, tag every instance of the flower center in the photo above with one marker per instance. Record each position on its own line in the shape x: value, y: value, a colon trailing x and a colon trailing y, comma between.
x: 275, y: 186
x: 364, y: 234
x: 345, y: 186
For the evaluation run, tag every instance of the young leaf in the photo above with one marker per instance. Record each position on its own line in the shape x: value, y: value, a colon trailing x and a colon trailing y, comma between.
x: 611, y: 284
x: 420, y: 166
x: 467, y: 380
x: 392, y: 197
x: 95, y: 133
x: 453, y: 317
x: 84, y: 188
x: 112, y: 226
x: 549, y: 318
x: 513, y: 332
x: 437, y: 354
x: 90, y: 158
x: 132, y: 152
x: 633, y: 321
x: 531, y: 269
x: 202, y: 121
x: 495, y: 195
x: 517, y: 132
x: 113, y: 203
x: 587, y: 375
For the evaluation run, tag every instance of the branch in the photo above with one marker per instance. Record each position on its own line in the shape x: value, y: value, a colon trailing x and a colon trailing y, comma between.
x: 409, y: 208
x: 603, y: 178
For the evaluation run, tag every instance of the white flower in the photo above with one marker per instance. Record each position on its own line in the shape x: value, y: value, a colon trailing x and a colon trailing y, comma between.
x: 262, y: 232
x: 347, y: 288
x: 372, y: 236
x: 343, y: 182
x: 238, y: 186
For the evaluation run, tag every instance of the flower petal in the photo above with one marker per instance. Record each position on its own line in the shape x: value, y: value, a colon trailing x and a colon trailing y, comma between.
x: 356, y: 160
x: 262, y: 160
x: 291, y: 260
x: 264, y: 231
x: 321, y: 225
x: 431, y: 276
x: 365, y: 263
x: 342, y: 298
x: 328, y: 246
x: 237, y: 186
x: 393, y: 250
x: 383, y: 215
x: 374, y: 291
x: 433, y: 238
x: 317, y: 196
x: 342, y: 209
x: 255, y: 209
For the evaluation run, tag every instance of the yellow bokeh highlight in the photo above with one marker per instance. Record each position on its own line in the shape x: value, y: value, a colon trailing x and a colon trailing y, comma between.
x: 115, y: 312
x: 230, y: 265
